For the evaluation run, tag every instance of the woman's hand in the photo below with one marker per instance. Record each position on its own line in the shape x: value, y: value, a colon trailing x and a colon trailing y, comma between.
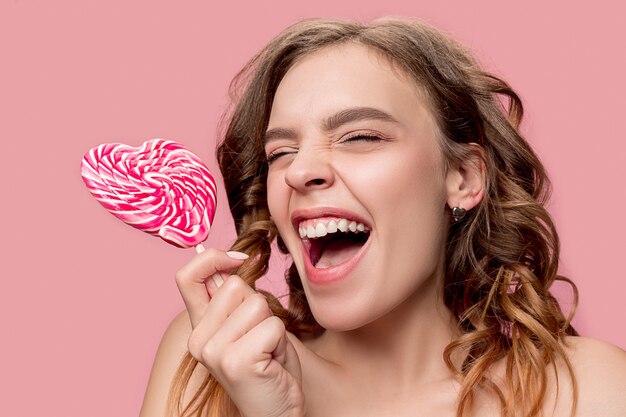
x: 236, y: 337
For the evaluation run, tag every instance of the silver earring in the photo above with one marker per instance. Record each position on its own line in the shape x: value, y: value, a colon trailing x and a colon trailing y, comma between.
x: 458, y: 213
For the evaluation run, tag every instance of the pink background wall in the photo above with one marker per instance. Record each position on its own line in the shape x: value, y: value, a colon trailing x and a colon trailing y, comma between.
x: 85, y: 299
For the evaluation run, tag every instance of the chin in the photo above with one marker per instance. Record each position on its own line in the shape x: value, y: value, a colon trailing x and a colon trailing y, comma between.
x: 342, y: 314
x: 338, y: 323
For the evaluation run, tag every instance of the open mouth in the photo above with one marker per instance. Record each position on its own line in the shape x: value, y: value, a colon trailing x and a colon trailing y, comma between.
x: 335, y: 246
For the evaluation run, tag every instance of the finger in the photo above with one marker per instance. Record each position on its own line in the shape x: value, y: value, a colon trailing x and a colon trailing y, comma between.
x: 285, y: 354
x: 191, y: 278
x: 292, y: 361
x: 244, y: 318
x: 217, y: 279
x: 257, y: 347
x: 213, y: 283
x: 232, y: 293
x: 225, y: 301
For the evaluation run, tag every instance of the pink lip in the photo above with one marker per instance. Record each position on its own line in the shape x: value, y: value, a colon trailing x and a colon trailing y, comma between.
x: 337, y: 272
x: 333, y: 273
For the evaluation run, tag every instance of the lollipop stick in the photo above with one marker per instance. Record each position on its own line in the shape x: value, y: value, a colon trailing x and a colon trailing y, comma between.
x: 218, y: 278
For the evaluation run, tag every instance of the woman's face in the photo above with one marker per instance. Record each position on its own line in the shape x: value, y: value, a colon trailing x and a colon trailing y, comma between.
x: 323, y: 171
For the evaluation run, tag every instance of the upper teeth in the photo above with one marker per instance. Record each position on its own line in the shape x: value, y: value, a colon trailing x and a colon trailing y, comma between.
x: 321, y: 227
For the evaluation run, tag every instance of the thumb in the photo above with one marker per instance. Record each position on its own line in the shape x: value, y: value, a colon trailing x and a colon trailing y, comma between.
x: 287, y: 356
x: 216, y: 279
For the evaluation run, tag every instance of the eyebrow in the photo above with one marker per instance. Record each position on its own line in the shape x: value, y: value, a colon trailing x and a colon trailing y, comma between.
x: 333, y: 122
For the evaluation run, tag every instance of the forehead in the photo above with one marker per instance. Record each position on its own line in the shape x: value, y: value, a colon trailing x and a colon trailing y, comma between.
x: 343, y: 76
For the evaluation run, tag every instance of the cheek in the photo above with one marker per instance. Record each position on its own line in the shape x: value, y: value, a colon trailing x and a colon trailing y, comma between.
x: 407, y: 179
x: 416, y: 191
x: 278, y: 204
x: 406, y: 197
x: 276, y: 196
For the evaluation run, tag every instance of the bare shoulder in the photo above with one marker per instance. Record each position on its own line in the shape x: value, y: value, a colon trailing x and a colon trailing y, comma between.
x: 600, y: 370
x: 171, y: 351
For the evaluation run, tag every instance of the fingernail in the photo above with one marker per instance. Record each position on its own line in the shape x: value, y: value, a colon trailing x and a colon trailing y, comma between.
x: 237, y: 255
x: 218, y: 280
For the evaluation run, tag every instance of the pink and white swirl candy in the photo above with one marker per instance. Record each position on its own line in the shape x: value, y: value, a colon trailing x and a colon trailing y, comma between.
x: 159, y: 187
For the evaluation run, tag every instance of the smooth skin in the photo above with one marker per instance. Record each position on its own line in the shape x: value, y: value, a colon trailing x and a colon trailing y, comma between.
x: 381, y: 354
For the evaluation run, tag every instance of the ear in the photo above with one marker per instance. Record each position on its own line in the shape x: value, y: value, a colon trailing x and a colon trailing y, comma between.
x: 465, y: 182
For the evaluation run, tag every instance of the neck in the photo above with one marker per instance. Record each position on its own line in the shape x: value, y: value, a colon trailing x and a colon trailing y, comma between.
x: 403, y: 348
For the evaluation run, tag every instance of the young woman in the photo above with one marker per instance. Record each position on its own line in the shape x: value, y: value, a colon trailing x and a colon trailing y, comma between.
x: 390, y: 168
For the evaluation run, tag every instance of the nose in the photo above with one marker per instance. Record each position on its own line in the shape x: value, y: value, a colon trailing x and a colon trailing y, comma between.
x: 309, y: 170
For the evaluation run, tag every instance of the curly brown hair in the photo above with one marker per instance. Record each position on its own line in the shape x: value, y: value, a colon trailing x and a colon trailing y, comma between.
x: 500, y: 260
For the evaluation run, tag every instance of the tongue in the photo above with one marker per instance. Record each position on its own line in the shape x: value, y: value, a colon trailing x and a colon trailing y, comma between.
x: 337, y: 252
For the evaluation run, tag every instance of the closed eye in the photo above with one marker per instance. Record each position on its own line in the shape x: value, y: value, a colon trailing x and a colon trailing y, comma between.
x: 355, y: 138
x: 362, y: 137
x: 275, y: 155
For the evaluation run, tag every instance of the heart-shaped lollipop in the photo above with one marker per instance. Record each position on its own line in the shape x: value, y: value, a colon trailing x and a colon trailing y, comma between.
x: 160, y: 188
